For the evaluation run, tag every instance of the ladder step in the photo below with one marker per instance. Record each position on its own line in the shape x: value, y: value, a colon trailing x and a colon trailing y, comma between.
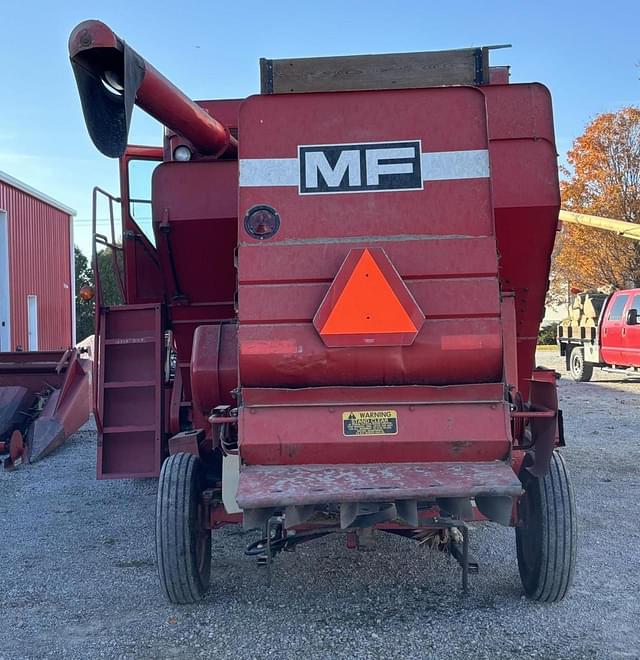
x: 129, y: 340
x: 128, y: 429
x: 123, y: 384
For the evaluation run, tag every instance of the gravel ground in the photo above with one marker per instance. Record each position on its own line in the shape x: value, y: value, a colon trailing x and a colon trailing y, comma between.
x: 79, y: 577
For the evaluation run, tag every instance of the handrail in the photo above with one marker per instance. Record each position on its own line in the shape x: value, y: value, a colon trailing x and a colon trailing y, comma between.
x: 101, y: 239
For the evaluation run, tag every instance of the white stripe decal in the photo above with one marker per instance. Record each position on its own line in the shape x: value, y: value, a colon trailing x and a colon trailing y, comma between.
x: 436, y: 166
x: 269, y: 172
x: 442, y: 165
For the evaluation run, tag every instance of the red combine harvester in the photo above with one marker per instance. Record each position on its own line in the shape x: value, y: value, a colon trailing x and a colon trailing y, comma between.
x: 331, y: 325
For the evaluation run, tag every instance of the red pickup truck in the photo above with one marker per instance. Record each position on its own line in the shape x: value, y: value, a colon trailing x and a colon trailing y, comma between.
x: 612, y: 343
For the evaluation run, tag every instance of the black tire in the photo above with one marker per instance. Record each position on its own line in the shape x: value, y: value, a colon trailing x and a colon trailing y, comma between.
x: 183, y: 545
x: 581, y: 371
x: 547, y: 535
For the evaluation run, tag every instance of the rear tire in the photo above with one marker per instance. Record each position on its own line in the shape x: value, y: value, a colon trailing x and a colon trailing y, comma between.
x: 581, y: 371
x: 547, y: 536
x: 183, y: 545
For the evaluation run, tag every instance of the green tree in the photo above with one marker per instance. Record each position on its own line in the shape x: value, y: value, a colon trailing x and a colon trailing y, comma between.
x: 547, y: 334
x: 108, y: 278
x: 85, y: 309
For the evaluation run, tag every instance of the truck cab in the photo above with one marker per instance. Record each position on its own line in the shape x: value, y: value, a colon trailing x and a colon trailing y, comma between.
x: 612, y: 345
x: 620, y: 340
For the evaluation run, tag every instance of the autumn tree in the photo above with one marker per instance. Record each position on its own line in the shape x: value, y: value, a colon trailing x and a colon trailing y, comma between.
x: 603, y: 179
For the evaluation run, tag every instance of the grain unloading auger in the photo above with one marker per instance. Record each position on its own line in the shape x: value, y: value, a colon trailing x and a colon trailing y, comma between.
x: 334, y: 330
x: 622, y: 228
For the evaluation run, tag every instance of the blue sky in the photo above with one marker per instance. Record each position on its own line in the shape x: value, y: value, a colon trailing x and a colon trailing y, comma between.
x: 586, y: 52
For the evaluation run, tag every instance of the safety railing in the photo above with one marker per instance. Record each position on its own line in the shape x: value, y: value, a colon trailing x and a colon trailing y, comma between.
x: 109, y: 242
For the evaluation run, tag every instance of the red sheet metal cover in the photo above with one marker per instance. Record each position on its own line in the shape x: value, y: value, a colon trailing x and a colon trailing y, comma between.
x: 374, y: 424
x: 406, y: 171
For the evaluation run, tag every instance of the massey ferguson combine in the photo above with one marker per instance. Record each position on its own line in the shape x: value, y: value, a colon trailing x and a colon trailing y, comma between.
x: 331, y: 325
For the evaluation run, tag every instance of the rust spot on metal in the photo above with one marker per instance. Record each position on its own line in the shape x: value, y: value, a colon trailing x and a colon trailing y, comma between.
x: 458, y: 445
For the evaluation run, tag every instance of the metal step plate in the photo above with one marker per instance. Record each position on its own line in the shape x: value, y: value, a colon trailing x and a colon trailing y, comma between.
x: 263, y: 486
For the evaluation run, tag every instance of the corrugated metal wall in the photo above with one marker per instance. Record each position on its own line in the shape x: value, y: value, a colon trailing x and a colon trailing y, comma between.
x: 39, y: 263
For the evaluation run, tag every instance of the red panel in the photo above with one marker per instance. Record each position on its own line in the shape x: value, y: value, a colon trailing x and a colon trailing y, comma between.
x: 437, y: 232
x: 499, y: 75
x: 274, y: 127
x: 196, y: 202
x: 532, y: 163
x: 445, y: 351
x: 519, y: 111
x: 224, y: 110
x: 455, y: 208
x: 279, y: 121
x: 40, y: 265
x: 122, y: 458
x: 440, y: 239
x: 314, y: 435
x: 472, y: 297
x: 214, y: 362
x: 195, y: 222
x: 409, y: 394
x: 413, y: 258
x: 524, y: 268
x: 509, y: 334
x: 527, y: 200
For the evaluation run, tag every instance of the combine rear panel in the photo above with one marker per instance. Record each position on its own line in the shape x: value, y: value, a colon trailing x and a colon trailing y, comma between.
x: 346, y: 304
x: 378, y: 220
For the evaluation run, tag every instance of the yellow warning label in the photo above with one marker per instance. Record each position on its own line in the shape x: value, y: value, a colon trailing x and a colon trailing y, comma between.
x: 370, y: 422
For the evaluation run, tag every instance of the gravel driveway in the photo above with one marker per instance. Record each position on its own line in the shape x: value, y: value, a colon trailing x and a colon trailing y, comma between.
x: 79, y: 577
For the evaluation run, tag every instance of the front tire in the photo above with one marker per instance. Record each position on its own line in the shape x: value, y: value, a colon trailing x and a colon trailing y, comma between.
x: 183, y: 544
x: 547, y: 533
x: 581, y: 371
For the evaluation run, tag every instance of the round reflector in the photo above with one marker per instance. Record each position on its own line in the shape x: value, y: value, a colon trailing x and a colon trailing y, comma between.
x: 261, y: 222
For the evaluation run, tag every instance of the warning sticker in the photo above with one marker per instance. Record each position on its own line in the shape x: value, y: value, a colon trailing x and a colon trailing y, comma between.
x: 370, y: 422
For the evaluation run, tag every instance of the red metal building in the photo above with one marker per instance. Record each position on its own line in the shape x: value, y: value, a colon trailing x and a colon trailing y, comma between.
x: 36, y: 269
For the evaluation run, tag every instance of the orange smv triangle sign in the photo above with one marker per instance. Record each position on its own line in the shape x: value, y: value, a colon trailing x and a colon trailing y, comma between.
x: 368, y: 304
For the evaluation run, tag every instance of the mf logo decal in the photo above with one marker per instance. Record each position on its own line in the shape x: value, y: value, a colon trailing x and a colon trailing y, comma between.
x: 368, y: 167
